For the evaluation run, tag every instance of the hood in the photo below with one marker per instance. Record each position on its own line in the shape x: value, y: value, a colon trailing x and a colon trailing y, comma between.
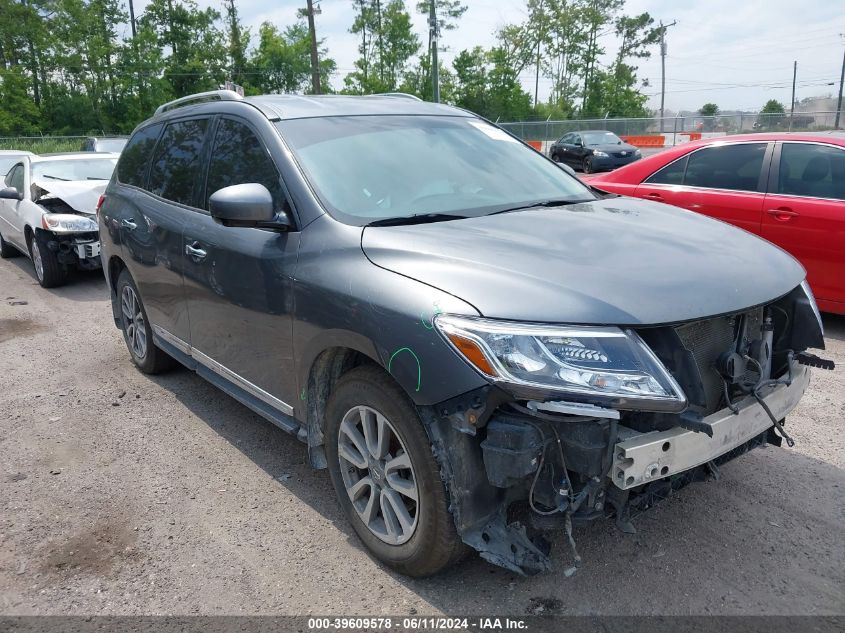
x: 619, y: 261
x: 613, y: 147
x: 80, y: 195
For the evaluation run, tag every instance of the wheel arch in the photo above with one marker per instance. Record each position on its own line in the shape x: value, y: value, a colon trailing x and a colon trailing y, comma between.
x: 112, y: 270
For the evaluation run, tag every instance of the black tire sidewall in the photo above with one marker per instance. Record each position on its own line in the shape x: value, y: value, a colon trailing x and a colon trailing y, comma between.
x: 418, y: 556
x: 588, y: 166
x: 53, y: 273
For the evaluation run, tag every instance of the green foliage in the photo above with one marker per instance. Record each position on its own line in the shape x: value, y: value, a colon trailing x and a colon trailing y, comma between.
x: 773, y: 106
x: 485, y: 83
x: 709, y: 109
x: 281, y: 62
x: 19, y: 114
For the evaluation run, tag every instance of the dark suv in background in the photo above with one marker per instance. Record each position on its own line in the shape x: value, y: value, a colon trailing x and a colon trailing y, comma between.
x: 478, y: 346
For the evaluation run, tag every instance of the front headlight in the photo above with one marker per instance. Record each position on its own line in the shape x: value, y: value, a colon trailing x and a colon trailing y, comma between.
x: 599, y: 153
x: 67, y: 223
x: 585, y: 363
x: 637, y: 152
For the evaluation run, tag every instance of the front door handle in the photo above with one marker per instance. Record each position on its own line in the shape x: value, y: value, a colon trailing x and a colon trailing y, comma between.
x: 195, y: 252
x: 129, y: 224
x: 654, y: 196
x: 782, y: 214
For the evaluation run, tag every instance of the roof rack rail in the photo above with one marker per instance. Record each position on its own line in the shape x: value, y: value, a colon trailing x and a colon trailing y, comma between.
x: 401, y: 95
x: 211, y: 95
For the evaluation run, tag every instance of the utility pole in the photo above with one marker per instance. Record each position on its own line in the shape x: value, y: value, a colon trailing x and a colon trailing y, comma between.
x: 663, y: 67
x: 433, y: 33
x: 540, y: 36
x: 315, y: 62
x: 792, y: 105
x: 839, y: 103
x: 132, y: 17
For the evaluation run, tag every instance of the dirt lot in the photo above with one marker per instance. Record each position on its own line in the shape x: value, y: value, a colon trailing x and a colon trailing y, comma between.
x: 125, y: 494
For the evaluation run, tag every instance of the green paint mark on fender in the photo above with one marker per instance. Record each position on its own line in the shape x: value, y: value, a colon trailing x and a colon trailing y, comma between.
x: 428, y: 324
x: 302, y: 395
x: 411, y: 352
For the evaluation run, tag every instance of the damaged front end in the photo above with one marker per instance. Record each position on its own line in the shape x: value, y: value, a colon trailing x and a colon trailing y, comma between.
x: 69, y: 221
x: 581, y: 423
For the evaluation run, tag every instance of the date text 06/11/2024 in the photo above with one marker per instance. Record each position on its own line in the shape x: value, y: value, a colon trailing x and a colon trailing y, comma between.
x: 416, y: 624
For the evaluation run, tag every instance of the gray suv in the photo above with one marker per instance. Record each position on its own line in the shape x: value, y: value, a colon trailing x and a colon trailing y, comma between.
x: 477, y: 346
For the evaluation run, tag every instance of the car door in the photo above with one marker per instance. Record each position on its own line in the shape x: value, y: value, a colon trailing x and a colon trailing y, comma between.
x: 725, y: 181
x: 805, y: 214
x: 239, y: 281
x: 151, y: 224
x: 11, y: 221
x: 575, y: 151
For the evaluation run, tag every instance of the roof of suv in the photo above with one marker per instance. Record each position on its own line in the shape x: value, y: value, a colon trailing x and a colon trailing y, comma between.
x: 277, y: 107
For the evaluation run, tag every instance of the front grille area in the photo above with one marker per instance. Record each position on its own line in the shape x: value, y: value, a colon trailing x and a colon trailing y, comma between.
x: 708, y: 339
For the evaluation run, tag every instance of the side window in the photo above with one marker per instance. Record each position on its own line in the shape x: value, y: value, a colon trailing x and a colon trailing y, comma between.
x: 734, y: 167
x: 815, y: 171
x: 576, y: 139
x: 671, y: 174
x: 566, y: 139
x: 238, y: 157
x: 176, y: 163
x: 132, y: 165
x: 15, y: 177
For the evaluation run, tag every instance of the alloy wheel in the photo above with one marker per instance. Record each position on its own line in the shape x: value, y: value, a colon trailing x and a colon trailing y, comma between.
x: 378, y: 475
x: 133, y: 322
x: 37, y: 261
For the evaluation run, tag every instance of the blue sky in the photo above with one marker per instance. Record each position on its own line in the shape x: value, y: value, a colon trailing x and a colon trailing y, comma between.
x: 736, y: 53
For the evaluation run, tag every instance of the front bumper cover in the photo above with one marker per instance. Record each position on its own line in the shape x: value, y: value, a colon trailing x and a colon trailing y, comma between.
x: 645, y: 457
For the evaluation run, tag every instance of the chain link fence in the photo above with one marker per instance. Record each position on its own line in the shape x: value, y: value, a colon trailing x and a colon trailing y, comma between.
x: 679, y: 127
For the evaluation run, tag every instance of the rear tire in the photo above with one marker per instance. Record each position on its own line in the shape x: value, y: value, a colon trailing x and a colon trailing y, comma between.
x: 48, y: 270
x: 136, y: 329
x: 425, y: 542
x: 7, y: 251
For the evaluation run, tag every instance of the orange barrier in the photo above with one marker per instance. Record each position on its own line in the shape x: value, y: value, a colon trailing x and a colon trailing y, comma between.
x: 538, y: 145
x: 693, y: 136
x: 645, y: 141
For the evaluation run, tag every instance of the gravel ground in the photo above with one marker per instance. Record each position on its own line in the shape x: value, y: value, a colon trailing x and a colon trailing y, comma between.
x: 125, y: 494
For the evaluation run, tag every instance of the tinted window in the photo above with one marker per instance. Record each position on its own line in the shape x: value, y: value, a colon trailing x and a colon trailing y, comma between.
x: 176, y: 164
x: 726, y: 167
x: 567, y: 138
x: 239, y: 157
x: 816, y: 171
x: 110, y: 145
x: 671, y: 174
x: 133, y: 162
x: 15, y: 177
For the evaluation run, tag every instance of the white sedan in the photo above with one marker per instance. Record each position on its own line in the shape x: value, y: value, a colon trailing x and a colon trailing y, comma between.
x: 48, y: 211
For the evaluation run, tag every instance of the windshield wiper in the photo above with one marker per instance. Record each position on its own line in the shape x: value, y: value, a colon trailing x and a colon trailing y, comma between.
x: 55, y: 178
x: 540, y: 204
x: 95, y: 178
x: 420, y: 218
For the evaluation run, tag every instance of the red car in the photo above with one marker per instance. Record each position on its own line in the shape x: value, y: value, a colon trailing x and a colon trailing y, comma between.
x: 786, y: 188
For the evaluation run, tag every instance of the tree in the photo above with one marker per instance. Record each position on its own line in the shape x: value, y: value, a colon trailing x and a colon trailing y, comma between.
x: 773, y: 106
x: 387, y: 44
x: 281, y: 63
x: 19, y: 115
x: 709, y: 109
x: 238, y: 41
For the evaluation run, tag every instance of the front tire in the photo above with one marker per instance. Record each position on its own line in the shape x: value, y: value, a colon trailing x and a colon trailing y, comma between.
x: 588, y: 166
x: 136, y: 329
x: 385, y: 475
x: 48, y: 270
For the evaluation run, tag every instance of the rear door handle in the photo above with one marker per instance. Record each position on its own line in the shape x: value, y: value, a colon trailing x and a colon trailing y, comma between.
x: 783, y: 214
x: 194, y: 251
x: 129, y: 224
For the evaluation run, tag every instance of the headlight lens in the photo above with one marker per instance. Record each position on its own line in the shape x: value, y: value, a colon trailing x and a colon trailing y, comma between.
x: 599, y: 153
x: 67, y: 223
x: 637, y: 152
x: 584, y: 362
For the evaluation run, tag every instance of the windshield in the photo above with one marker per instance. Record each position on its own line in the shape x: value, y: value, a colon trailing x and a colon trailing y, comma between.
x: 87, y: 169
x: 368, y: 168
x: 110, y: 144
x: 601, y: 138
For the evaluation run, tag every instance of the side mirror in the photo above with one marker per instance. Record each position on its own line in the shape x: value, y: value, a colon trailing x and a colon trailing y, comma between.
x: 10, y: 193
x: 246, y: 205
